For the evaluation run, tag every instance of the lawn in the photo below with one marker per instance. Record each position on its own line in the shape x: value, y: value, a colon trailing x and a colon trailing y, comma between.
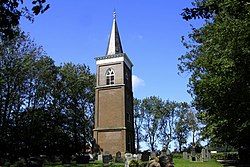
x: 187, y: 163
x: 177, y: 163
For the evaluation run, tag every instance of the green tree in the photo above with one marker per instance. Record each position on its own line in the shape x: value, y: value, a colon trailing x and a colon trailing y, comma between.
x: 138, y: 121
x: 21, y: 90
x: 218, y: 59
x: 12, y: 10
x: 167, y: 118
x: 78, y: 91
x: 44, y: 109
x: 193, y: 125
x: 150, y: 107
x: 181, y: 125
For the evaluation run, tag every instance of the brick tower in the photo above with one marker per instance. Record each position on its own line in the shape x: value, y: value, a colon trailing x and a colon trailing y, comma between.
x: 114, y: 118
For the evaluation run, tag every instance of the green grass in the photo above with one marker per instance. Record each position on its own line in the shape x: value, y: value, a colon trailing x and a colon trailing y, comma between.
x: 177, y: 163
x: 187, y: 163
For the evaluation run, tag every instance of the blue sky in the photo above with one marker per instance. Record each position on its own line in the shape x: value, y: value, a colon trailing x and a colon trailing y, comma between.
x: 77, y: 31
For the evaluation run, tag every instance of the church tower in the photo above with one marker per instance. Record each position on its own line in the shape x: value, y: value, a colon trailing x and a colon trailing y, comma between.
x: 114, y: 118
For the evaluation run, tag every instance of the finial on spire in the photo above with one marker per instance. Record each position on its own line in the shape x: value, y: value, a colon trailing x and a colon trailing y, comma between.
x: 114, y: 14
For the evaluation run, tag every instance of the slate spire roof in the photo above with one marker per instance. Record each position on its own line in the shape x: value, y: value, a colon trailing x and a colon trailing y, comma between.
x: 114, y: 45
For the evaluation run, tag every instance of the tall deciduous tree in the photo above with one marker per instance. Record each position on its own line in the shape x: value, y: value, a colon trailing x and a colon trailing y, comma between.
x: 181, y: 125
x: 44, y: 109
x: 78, y: 91
x: 150, y: 107
x: 167, y: 117
x: 218, y: 58
x: 138, y: 121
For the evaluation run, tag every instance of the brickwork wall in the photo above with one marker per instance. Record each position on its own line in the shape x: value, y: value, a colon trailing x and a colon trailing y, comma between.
x: 117, y: 67
x: 114, y: 104
x: 110, y: 108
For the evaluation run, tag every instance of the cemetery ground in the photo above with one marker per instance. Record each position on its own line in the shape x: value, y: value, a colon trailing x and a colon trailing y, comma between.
x: 178, y: 162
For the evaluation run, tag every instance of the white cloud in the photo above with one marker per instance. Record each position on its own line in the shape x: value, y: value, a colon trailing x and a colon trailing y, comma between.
x: 136, y: 81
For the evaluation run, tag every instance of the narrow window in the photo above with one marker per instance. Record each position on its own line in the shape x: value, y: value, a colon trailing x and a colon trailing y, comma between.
x: 110, y: 77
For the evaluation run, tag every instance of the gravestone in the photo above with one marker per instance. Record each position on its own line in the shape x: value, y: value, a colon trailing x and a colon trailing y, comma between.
x: 139, y: 156
x: 135, y: 157
x: 128, y: 158
x: 145, y: 156
x: 99, y: 158
x: 164, y: 152
x: 106, y: 158
x: 166, y: 158
x: 118, y: 157
x: 205, y: 155
x: 198, y: 158
x: 209, y: 155
x: 153, y: 155
x: 185, y: 155
x: 192, y: 157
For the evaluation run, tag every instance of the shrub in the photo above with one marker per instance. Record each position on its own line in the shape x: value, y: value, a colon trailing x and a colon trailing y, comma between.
x: 133, y: 163
x: 225, y: 156
x: 177, y: 155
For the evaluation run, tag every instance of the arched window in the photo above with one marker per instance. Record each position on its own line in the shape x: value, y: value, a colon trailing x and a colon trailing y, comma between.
x: 110, y: 77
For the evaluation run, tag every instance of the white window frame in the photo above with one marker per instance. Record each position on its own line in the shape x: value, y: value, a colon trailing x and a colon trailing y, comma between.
x: 110, y: 77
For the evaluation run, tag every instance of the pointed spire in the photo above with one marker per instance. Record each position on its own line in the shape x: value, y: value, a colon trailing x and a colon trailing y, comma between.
x: 114, y: 45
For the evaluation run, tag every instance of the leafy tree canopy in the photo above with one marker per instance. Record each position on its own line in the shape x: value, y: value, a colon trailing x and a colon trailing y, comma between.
x: 218, y: 59
x: 12, y: 10
x: 44, y: 109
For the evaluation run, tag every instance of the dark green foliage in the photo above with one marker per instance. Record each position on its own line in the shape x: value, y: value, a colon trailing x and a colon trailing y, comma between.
x: 218, y: 59
x: 225, y: 156
x: 133, y: 163
x: 44, y: 109
x: 177, y: 155
x: 152, y: 107
x: 12, y: 10
x: 182, y: 124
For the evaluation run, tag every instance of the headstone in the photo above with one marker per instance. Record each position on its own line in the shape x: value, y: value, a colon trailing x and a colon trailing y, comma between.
x: 152, y: 155
x: 134, y: 157
x: 198, y: 158
x: 163, y: 160
x: 128, y: 158
x: 168, y: 152
x: 205, y: 155
x: 100, y: 157
x: 145, y: 156
x: 106, y: 158
x: 214, y: 152
x: 185, y: 155
x: 139, y: 156
x: 193, y: 155
x: 166, y: 158
x: 209, y: 156
x: 163, y: 152
x: 118, y: 157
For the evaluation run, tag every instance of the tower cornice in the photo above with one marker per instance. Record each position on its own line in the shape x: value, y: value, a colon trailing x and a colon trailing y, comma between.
x: 120, y: 57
